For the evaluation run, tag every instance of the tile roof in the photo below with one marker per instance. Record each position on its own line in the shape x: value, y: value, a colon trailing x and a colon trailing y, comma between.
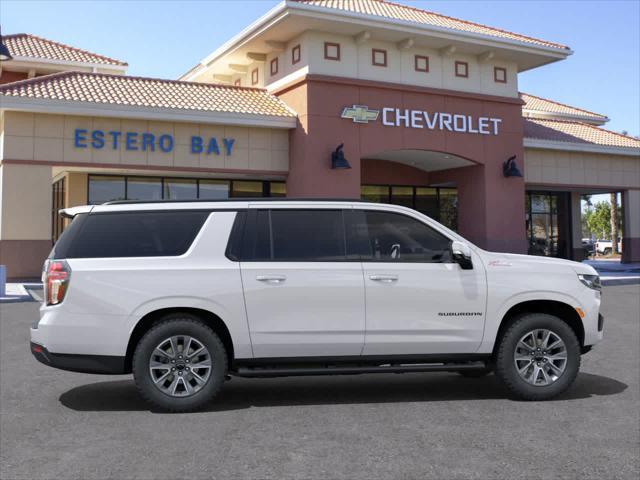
x: 545, y: 105
x: 575, y: 132
x: 108, y: 89
x: 395, y: 11
x: 31, y: 46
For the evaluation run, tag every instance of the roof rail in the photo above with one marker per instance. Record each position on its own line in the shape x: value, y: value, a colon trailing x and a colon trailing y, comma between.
x: 238, y: 199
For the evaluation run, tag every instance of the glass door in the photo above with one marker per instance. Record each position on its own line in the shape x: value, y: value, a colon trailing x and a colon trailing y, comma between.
x: 548, y: 229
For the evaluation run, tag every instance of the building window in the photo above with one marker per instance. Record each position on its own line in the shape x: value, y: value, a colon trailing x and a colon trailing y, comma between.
x: 180, y: 189
x: 144, y: 188
x: 462, y: 69
x: 295, y: 54
x: 378, y: 57
x: 254, y: 76
x: 331, y: 51
x: 274, y: 67
x: 58, y: 203
x: 106, y: 188
x: 500, y: 74
x: 421, y: 63
x: 441, y: 204
x: 238, y: 82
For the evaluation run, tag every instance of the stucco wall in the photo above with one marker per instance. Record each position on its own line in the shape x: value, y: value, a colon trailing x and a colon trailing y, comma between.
x: 554, y: 167
x: 50, y: 138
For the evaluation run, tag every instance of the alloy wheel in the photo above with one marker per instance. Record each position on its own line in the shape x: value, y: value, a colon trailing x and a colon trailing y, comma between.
x: 180, y: 366
x: 540, y: 357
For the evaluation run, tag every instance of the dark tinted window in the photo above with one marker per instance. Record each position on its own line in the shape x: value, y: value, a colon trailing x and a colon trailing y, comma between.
x: 392, y: 237
x: 307, y: 235
x: 134, y: 234
x: 234, y: 247
x: 61, y: 248
x: 295, y: 235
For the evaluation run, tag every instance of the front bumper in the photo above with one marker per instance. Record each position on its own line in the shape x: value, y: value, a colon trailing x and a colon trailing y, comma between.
x: 100, y: 364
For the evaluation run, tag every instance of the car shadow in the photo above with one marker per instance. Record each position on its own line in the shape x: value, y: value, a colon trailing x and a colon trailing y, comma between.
x: 237, y: 394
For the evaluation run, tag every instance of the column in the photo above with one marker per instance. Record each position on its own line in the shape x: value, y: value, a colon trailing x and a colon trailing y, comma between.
x: 25, y: 218
x: 631, y: 239
x: 577, y: 251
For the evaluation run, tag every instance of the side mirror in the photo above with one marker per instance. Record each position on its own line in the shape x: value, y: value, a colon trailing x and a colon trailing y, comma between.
x: 461, y: 254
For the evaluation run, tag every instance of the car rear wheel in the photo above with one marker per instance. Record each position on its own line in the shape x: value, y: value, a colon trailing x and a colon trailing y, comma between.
x: 180, y: 364
x: 538, y: 357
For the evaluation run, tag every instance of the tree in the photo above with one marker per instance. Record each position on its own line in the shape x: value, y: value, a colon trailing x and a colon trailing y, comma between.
x: 598, y: 220
x: 614, y: 222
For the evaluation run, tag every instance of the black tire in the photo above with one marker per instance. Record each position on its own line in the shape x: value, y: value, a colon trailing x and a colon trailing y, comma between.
x: 607, y: 251
x: 505, y: 365
x: 171, y: 325
x: 479, y: 373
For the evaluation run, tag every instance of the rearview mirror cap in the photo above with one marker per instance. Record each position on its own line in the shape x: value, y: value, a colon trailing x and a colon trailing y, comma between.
x: 461, y: 254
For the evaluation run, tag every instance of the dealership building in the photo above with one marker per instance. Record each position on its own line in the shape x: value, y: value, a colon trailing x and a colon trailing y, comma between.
x: 425, y: 110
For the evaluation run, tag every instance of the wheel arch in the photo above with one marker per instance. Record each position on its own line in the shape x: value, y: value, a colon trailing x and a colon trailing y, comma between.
x: 151, y: 318
x: 563, y: 311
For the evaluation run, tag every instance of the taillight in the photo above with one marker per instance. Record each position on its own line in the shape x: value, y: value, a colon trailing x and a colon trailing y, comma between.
x: 56, y: 277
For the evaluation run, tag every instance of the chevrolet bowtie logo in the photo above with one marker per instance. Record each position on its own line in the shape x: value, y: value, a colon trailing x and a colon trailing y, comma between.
x: 360, y: 114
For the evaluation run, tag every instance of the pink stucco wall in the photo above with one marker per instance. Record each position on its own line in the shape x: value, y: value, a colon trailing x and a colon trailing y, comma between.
x: 490, y: 211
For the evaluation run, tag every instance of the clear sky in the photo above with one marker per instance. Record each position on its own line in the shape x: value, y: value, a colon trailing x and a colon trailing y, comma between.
x: 166, y: 38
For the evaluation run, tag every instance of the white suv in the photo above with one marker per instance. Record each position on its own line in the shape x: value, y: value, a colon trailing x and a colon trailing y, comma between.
x: 187, y: 294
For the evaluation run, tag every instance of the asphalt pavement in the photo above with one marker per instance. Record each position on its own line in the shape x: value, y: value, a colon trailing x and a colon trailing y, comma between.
x: 63, y: 425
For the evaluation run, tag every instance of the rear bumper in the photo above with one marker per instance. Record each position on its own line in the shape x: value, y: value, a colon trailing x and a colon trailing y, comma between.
x: 101, y: 364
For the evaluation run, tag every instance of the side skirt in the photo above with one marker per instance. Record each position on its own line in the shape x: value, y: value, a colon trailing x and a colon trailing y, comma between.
x: 286, y: 367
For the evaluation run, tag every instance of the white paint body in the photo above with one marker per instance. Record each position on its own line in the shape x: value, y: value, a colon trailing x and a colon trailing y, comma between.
x: 293, y: 309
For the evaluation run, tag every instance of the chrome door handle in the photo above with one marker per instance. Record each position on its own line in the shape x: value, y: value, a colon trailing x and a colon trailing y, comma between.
x: 384, y: 278
x: 271, y: 278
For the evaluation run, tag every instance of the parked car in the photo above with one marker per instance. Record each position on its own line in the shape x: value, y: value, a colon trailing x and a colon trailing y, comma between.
x: 605, y: 247
x: 188, y: 294
x: 589, y: 246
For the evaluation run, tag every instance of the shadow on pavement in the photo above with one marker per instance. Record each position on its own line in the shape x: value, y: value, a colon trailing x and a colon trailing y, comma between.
x: 122, y: 395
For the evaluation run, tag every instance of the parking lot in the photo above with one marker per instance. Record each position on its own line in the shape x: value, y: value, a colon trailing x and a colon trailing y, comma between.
x: 56, y: 424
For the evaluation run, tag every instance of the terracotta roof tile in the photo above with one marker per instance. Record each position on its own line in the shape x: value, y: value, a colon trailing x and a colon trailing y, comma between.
x: 395, y: 11
x: 27, y: 45
x: 148, y: 92
x: 575, y: 132
x: 540, y: 104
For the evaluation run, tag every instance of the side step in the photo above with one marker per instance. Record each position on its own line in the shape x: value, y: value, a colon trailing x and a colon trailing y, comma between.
x: 284, y: 371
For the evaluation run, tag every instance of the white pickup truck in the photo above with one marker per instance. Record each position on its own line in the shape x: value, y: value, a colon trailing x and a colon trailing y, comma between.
x: 605, y: 247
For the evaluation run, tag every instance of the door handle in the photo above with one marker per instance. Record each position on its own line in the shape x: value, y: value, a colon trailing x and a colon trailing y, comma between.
x: 271, y: 278
x: 384, y: 278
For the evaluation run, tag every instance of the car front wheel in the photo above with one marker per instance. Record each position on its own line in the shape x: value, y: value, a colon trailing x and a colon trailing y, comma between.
x: 180, y: 364
x: 538, y: 357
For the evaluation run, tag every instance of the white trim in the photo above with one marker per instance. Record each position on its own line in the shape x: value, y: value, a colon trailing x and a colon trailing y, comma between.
x: 68, y: 107
x: 287, y: 6
x: 581, y: 147
x: 548, y: 115
x: 47, y: 62
x: 563, y: 52
x: 259, y: 24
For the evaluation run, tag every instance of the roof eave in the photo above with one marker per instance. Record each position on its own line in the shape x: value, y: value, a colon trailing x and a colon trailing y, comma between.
x: 536, y: 143
x: 67, y: 63
x: 68, y: 107
x: 548, y: 115
x: 250, y: 31
x: 564, y: 52
x: 286, y: 7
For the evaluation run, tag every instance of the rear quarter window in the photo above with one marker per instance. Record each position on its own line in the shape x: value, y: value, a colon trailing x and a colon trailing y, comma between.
x: 131, y: 234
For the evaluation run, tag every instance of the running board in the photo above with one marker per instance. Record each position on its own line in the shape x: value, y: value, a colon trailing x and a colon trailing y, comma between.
x: 284, y: 371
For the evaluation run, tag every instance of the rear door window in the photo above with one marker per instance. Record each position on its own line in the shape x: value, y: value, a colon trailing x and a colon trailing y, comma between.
x: 295, y: 236
x: 132, y: 234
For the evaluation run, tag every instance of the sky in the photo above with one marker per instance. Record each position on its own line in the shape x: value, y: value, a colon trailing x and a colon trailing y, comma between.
x: 166, y: 38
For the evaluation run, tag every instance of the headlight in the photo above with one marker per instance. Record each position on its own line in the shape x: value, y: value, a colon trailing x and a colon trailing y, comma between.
x: 591, y: 281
